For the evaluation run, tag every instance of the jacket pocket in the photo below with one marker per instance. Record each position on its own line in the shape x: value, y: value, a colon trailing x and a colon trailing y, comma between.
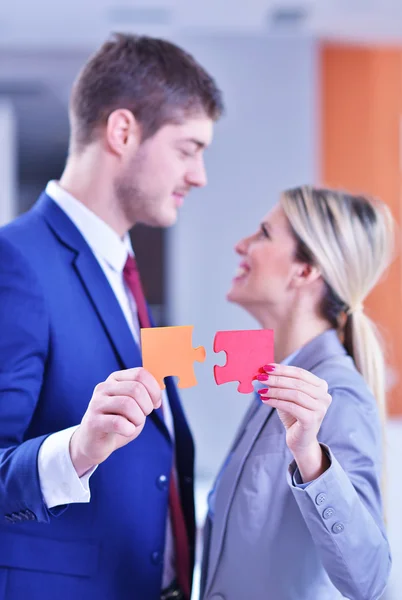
x: 19, y: 551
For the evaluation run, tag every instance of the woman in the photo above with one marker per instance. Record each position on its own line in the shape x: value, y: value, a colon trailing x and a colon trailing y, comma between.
x: 296, y: 511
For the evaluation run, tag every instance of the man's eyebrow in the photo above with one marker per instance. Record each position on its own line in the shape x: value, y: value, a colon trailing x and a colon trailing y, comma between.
x: 200, y: 145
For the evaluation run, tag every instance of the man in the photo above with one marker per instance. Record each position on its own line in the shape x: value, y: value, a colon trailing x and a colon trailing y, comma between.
x: 71, y: 306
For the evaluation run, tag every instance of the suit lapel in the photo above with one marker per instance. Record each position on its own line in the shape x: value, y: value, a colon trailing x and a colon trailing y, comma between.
x: 97, y: 288
x: 113, y: 320
x: 93, y: 281
x: 255, y: 419
x: 108, y: 309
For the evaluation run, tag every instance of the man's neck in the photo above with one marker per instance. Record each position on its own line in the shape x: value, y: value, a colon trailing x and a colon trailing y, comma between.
x: 94, y: 190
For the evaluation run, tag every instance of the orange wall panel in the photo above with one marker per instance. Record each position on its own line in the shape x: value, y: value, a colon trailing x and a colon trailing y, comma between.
x: 361, y: 111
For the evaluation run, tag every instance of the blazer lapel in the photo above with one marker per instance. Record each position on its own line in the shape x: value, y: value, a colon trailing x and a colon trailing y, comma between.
x: 93, y: 281
x: 97, y: 288
x: 258, y: 415
x: 108, y: 309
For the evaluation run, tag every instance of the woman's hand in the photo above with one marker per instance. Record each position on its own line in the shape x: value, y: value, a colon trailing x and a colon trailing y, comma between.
x: 301, y: 400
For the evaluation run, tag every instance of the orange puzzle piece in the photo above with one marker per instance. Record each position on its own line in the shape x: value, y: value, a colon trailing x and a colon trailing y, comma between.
x: 169, y: 351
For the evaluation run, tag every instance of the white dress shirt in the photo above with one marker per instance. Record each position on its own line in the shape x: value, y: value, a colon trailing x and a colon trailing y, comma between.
x: 59, y: 481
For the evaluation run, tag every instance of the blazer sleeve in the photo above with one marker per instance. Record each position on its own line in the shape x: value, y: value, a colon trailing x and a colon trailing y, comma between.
x: 24, y: 337
x: 343, y: 507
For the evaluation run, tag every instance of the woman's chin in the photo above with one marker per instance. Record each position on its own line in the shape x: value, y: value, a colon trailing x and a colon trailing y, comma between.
x: 233, y: 295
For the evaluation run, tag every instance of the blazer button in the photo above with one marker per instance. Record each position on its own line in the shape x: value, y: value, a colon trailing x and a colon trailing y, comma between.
x: 328, y: 512
x: 320, y: 499
x: 162, y: 482
x: 338, y: 527
x: 157, y: 557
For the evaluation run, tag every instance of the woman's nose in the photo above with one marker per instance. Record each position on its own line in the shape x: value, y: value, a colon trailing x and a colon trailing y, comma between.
x: 241, y: 247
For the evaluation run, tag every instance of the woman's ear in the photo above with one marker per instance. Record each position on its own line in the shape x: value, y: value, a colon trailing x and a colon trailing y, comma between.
x: 122, y: 130
x: 306, y: 274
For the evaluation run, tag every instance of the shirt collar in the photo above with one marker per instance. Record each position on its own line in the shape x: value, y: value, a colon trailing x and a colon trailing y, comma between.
x: 101, y: 238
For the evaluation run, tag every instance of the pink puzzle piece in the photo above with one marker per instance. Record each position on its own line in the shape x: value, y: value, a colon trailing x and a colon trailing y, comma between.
x: 247, y: 351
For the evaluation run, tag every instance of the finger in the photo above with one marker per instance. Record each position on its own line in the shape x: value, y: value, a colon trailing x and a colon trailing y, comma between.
x: 304, y: 416
x: 123, y: 406
x: 293, y: 396
x: 115, y: 424
x: 134, y: 389
x: 143, y: 376
x: 289, y: 383
x: 297, y: 373
x: 149, y: 381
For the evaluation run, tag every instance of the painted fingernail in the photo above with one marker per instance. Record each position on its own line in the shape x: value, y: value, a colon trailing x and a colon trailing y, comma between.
x: 262, y: 377
x: 263, y: 391
x: 269, y: 368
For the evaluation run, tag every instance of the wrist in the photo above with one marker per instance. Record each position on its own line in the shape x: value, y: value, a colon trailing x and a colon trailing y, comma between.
x: 81, y: 463
x: 312, y: 462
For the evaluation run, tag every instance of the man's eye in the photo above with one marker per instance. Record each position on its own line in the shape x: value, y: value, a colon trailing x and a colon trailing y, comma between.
x: 186, y: 153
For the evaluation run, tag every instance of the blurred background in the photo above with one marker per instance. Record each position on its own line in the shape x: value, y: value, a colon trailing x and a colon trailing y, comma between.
x: 313, y: 90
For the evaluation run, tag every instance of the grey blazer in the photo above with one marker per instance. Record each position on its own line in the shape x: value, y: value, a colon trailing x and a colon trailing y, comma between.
x: 269, y: 539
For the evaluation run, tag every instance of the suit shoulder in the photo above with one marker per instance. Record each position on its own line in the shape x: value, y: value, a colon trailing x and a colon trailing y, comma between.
x: 26, y: 235
x: 22, y: 250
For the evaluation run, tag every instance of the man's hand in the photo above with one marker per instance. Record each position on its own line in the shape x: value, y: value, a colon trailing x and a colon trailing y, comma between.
x: 115, y: 416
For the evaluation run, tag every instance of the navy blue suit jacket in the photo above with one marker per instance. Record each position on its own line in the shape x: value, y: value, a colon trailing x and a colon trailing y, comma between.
x: 62, y: 332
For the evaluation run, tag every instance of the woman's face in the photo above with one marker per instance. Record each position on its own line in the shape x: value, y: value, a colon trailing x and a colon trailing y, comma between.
x: 267, y: 268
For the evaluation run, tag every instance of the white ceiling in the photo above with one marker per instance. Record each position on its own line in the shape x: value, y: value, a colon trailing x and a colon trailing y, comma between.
x: 83, y: 23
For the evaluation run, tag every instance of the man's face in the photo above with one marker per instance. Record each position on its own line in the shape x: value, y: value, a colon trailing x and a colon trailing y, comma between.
x: 156, y: 178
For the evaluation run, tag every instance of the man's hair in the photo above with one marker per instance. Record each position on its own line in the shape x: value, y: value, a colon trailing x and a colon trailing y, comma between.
x: 156, y: 80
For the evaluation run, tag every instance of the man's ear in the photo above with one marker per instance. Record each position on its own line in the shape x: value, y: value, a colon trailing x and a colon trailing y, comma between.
x: 306, y: 274
x: 122, y: 130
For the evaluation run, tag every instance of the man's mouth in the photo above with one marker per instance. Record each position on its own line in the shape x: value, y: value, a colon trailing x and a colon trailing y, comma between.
x: 179, y: 198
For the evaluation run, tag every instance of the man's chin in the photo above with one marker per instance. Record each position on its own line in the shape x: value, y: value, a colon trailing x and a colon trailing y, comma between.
x: 168, y: 220
x: 161, y: 220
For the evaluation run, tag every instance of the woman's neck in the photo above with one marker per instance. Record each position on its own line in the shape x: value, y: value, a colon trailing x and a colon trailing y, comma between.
x: 294, y: 331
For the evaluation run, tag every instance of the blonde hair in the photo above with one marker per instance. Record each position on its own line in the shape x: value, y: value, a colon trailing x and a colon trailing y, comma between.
x: 350, y: 239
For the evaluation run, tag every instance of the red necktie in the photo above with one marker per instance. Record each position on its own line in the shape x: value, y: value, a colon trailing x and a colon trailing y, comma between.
x: 133, y: 281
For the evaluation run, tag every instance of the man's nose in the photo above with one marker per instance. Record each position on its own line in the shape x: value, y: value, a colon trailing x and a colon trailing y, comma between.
x: 197, y: 177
